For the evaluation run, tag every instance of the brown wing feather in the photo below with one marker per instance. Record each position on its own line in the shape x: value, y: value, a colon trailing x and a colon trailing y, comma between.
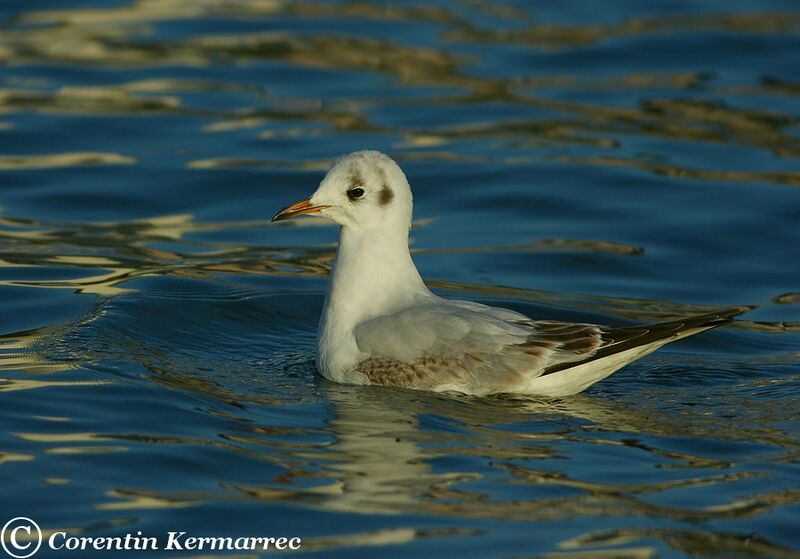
x: 568, y: 340
x: 424, y: 373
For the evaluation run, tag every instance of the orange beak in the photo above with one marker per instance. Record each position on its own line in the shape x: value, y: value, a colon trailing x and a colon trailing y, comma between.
x: 303, y: 207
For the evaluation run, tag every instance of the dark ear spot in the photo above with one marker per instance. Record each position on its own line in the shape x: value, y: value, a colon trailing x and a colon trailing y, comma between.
x: 385, y: 195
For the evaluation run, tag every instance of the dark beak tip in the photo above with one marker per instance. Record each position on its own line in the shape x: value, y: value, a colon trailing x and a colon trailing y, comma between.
x: 302, y: 207
x: 283, y: 214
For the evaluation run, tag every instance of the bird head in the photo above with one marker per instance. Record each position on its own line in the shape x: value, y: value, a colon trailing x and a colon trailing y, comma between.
x: 363, y: 189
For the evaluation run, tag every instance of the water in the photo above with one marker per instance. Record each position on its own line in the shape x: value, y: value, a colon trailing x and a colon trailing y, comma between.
x: 622, y: 163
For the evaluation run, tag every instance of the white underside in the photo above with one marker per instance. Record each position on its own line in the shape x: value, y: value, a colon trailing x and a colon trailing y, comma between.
x: 579, y: 378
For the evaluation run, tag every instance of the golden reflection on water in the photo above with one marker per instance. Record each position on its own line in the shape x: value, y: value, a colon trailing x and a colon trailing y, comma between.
x: 11, y: 385
x: 130, y: 500
x: 694, y: 542
x: 63, y: 160
x: 788, y: 178
x: 6, y: 457
x: 95, y: 100
x: 57, y: 481
x: 100, y: 449
x: 561, y: 36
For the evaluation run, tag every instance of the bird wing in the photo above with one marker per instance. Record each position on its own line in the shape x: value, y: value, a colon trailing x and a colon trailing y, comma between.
x: 473, y: 348
x: 468, y: 347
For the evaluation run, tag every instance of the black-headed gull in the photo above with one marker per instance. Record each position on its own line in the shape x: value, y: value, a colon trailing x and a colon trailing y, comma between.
x: 381, y: 325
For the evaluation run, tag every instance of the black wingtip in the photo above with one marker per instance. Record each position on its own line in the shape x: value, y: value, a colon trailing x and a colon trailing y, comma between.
x: 628, y: 337
x: 726, y: 315
x: 710, y: 319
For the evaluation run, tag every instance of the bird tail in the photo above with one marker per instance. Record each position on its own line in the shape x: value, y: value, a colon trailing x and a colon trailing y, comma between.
x: 621, y: 346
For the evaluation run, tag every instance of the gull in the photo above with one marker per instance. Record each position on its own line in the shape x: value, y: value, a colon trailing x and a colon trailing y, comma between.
x: 381, y: 325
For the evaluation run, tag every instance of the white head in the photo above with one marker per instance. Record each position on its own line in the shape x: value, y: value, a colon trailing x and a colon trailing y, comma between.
x: 362, y: 190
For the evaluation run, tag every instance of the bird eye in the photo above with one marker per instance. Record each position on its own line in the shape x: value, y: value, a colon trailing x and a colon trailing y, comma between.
x: 356, y: 192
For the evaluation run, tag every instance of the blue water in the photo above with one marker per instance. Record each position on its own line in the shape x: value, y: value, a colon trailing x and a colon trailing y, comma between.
x: 614, y: 163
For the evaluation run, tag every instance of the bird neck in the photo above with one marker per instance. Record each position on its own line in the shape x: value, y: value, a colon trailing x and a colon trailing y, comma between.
x: 373, y: 274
